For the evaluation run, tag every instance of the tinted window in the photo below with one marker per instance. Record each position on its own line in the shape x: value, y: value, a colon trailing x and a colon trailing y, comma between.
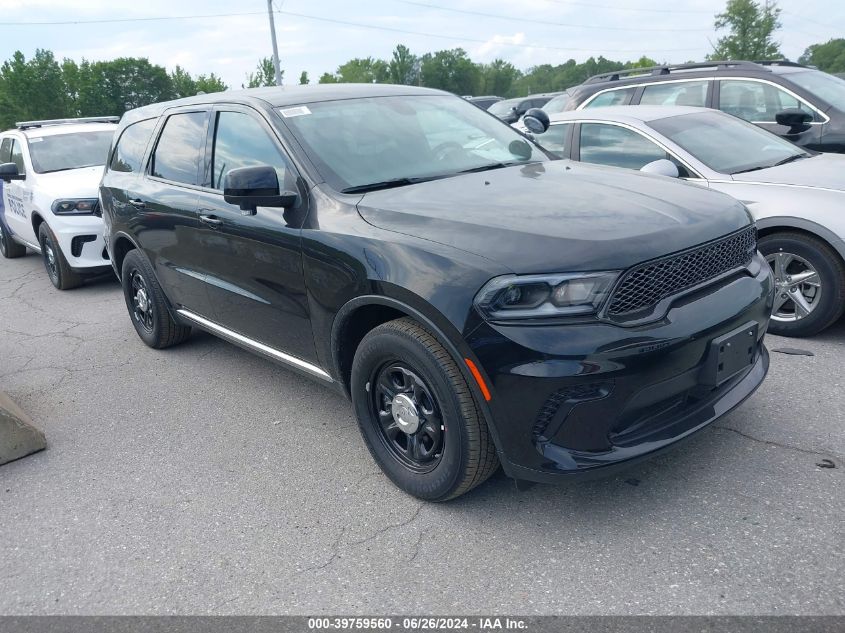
x: 617, y: 146
x: 558, y: 104
x: 756, y: 101
x: 621, y: 96
x: 680, y: 93
x: 554, y: 139
x: 177, y: 154
x: 130, y: 148
x: 726, y: 144
x: 6, y: 150
x: 358, y: 142
x: 17, y: 156
x: 240, y: 141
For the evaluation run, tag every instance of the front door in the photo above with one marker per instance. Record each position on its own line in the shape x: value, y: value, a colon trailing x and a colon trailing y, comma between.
x: 254, y: 274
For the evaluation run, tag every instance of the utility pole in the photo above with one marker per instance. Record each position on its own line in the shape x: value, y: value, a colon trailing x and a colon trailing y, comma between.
x: 275, y: 46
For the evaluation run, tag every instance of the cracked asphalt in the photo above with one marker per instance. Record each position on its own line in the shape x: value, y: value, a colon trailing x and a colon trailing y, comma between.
x: 205, y: 480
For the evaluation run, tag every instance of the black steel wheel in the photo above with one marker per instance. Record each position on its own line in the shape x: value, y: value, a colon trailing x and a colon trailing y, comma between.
x: 409, y: 417
x: 147, y: 304
x: 417, y: 413
x: 9, y: 248
x: 58, y: 270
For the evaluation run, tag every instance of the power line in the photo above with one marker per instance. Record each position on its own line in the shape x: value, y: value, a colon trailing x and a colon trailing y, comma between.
x: 509, y: 18
x: 636, y: 9
x: 143, y: 19
x: 480, y: 41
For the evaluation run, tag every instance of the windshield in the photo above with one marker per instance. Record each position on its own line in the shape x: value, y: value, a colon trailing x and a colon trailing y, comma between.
x: 828, y: 87
x: 726, y: 144
x: 69, y: 151
x: 503, y: 107
x: 558, y: 104
x: 378, y: 142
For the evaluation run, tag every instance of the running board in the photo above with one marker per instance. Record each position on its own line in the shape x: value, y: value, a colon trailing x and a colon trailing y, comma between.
x: 248, y: 343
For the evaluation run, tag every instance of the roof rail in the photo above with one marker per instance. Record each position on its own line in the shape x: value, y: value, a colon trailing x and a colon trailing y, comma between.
x: 25, y: 125
x: 667, y: 69
x: 780, y: 62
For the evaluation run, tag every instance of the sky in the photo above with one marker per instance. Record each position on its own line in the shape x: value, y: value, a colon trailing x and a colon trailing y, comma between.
x: 318, y: 35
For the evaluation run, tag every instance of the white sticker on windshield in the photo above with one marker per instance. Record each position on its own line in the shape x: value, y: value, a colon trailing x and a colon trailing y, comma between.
x: 297, y: 111
x: 37, y: 139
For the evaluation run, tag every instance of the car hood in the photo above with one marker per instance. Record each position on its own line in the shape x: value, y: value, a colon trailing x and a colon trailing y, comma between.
x: 823, y: 171
x: 558, y: 216
x: 72, y: 183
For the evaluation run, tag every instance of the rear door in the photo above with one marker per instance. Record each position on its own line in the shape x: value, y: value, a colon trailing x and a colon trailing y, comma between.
x: 254, y: 274
x: 164, y: 202
x: 17, y: 194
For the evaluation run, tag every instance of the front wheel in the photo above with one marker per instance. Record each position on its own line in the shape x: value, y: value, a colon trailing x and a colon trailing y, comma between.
x: 809, y: 283
x: 417, y: 414
x: 58, y: 269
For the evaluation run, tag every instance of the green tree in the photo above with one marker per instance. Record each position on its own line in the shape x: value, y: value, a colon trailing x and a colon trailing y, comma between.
x: 752, y: 26
x: 112, y: 87
x: 264, y: 74
x: 829, y: 57
x: 210, y: 83
x: 328, y: 78
x: 450, y: 70
x: 496, y: 78
x: 33, y: 89
x: 303, y: 78
x: 183, y: 83
x: 364, y: 70
x: 404, y: 66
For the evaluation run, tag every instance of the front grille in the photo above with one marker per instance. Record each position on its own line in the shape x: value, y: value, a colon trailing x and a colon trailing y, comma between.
x: 646, y: 285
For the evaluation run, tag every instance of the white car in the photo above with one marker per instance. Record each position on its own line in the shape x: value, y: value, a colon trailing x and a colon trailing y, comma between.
x: 49, y: 175
x: 796, y: 196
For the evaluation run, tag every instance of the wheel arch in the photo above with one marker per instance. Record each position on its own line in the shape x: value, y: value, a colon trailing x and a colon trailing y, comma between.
x: 37, y: 220
x: 360, y: 315
x: 769, y: 226
x: 121, y: 245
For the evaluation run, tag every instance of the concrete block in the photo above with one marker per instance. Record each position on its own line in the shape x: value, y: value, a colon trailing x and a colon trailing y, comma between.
x: 18, y: 436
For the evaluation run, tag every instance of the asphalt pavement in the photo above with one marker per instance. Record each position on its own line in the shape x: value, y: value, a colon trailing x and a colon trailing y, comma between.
x: 205, y: 480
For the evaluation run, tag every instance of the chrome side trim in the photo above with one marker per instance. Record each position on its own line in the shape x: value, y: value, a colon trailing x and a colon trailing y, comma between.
x: 775, y: 184
x: 249, y: 343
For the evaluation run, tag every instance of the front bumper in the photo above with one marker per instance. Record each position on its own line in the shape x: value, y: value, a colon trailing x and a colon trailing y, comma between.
x: 588, y: 398
x: 81, y: 241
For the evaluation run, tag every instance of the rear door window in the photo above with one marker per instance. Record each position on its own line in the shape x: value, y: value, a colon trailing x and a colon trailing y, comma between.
x: 680, y: 93
x: 177, y: 154
x: 130, y: 148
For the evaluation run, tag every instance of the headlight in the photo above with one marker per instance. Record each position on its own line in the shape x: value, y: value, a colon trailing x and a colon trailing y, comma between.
x: 75, y: 206
x: 533, y: 296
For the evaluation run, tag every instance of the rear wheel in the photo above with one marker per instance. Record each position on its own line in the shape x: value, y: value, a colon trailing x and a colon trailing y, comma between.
x: 809, y: 283
x: 417, y: 414
x: 58, y: 270
x: 9, y: 248
x: 147, y: 305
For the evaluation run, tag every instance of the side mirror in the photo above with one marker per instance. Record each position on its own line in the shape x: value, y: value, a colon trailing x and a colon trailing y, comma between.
x: 536, y: 120
x: 9, y: 172
x: 795, y: 119
x: 661, y: 167
x: 251, y: 187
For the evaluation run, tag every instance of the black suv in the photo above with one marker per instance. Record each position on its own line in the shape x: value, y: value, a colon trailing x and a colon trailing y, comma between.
x: 799, y: 103
x: 479, y: 302
x: 512, y: 110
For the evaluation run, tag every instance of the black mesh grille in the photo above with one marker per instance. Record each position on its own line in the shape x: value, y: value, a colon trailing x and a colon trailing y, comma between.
x: 646, y: 285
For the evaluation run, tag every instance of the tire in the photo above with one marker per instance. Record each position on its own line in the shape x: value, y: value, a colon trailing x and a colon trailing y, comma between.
x: 147, y: 305
x: 406, y: 357
x: 58, y: 270
x: 824, y: 292
x: 9, y: 248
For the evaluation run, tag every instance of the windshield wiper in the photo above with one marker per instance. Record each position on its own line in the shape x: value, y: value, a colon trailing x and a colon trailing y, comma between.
x: 789, y: 159
x: 386, y: 184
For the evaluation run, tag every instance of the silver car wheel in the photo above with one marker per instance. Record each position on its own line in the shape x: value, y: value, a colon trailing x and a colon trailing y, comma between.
x: 798, y: 287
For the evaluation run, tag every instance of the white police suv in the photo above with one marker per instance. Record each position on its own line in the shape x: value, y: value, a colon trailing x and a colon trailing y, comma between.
x: 49, y: 175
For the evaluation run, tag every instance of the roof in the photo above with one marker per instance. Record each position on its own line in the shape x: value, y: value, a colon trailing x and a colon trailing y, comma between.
x: 628, y: 114
x: 280, y: 96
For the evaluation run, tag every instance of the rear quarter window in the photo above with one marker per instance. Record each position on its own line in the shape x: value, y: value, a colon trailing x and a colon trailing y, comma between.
x: 129, y: 151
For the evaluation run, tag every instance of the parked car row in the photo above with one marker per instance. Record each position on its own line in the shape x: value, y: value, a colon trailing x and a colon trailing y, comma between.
x: 480, y: 301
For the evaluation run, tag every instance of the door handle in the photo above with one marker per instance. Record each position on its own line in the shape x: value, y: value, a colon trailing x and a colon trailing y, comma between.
x: 137, y: 203
x: 211, y: 220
